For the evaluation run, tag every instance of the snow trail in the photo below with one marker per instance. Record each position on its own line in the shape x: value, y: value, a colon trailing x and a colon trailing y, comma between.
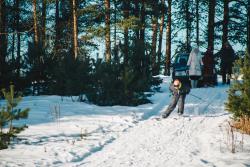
x: 193, y: 140
x: 93, y: 136
x: 170, y: 142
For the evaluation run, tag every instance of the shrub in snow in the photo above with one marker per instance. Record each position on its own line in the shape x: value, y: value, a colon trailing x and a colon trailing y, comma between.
x: 8, y: 114
x: 125, y: 79
x: 115, y: 85
x: 70, y: 77
x: 239, y: 96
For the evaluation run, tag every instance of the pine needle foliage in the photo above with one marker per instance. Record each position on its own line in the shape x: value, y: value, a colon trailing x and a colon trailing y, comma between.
x: 8, y: 114
x: 239, y: 95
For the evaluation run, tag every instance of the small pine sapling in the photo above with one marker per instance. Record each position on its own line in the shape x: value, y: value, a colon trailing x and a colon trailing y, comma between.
x: 3, y: 119
x: 8, y: 114
x: 239, y: 97
x: 11, y: 104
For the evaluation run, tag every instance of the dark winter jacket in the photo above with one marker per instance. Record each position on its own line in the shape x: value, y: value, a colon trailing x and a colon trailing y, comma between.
x: 208, y: 61
x: 227, y: 57
x: 182, y: 89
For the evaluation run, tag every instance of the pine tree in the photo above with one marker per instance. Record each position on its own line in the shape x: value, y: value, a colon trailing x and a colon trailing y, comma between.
x: 211, y: 15
x: 239, y: 94
x: 75, y: 34
x: 8, y: 114
x: 107, y: 31
x: 3, y: 119
x: 12, y: 103
x: 3, y: 42
x: 248, y: 26
x: 155, y: 14
x: 168, y: 38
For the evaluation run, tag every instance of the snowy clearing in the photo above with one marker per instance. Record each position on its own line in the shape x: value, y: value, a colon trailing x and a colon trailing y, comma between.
x: 66, y: 133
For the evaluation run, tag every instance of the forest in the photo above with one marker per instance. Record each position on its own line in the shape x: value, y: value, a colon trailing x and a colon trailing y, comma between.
x: 109, y: 50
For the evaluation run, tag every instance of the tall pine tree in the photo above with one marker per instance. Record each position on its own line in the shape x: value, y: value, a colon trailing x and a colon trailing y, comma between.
x: 239, y: 95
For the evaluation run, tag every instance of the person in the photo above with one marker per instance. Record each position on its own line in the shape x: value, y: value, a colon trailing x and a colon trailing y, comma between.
x: 208, y: 70
x: 227, y: 57
x: 179, y: 90
x: 195, y: 65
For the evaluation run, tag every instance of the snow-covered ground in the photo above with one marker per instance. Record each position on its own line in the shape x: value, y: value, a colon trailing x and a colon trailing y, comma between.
x: 66, y: 133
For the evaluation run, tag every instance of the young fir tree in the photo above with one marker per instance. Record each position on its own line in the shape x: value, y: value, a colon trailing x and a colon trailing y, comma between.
x: 239, y: 94
x: 3, y: 119
x: 11, y: 104
x: 8, y: 114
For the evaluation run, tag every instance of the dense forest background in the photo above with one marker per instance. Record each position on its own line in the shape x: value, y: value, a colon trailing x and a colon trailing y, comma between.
x: 51, y: 46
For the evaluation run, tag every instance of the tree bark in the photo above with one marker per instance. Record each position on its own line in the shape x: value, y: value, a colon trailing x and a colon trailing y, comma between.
x: 154, y: 36
x: 137, y: 9
x: 248, y: 27
x: 161, y: 32
x: 3, y: 39
x: 18, y: 37
x: 13, y: 45
x: 197, y: 23
x: 57, y: 27
x: 168, y: 38
x: 211, y: 15
x: 75, y: 43
x: 142, y: 19
x: 188, y: 27
x: 107, y: 31
x: 35, y: 23
x: 144, y: 61
x: 126, y: 42
x: 44, y: 7
x: 115, y: 29
x: 225, y: 22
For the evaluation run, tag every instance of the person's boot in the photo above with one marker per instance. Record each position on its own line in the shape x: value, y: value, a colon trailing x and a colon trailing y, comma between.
x: 192, y: 83
x: 165, y: 115
x: 228, y: 79
x: 195, y: 83
x: 179, y: 113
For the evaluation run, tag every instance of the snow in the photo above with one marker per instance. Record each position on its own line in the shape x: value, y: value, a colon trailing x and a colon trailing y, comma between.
x: 67, y: 133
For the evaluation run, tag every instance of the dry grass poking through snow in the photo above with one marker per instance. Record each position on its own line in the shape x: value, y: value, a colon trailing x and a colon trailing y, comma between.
x: 243, y: 124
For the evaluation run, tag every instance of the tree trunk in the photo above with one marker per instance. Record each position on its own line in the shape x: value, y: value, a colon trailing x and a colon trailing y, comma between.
x: 161, y: 32
x: 154, y: 36
x: 3, y: 39
x: 17, y: 28
x: 57, y: 28
x: 168, y: 39
x: 35, y: 23
x: 137, y: 9
x: 188, y: 27
x: 18, y: 53
x: 115, y: 29
x: 225, y: 22
x: 144, y: 61
x: 44, y: 6
x: 107, y: 31
x: 75, y: 43
x: 197, y: 23
x: 211, y: 15
x: 13, y: 45
x: 126, y: 42
x: 248, y: 27
x: 142, y: 19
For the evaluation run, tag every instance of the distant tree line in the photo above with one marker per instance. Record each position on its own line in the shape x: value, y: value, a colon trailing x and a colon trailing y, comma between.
x: 47, y: 46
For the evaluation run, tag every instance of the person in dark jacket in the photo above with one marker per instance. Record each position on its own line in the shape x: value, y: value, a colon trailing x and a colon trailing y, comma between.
x: 208, y: 68
x: 179, y: 90
x: 227, y: 57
